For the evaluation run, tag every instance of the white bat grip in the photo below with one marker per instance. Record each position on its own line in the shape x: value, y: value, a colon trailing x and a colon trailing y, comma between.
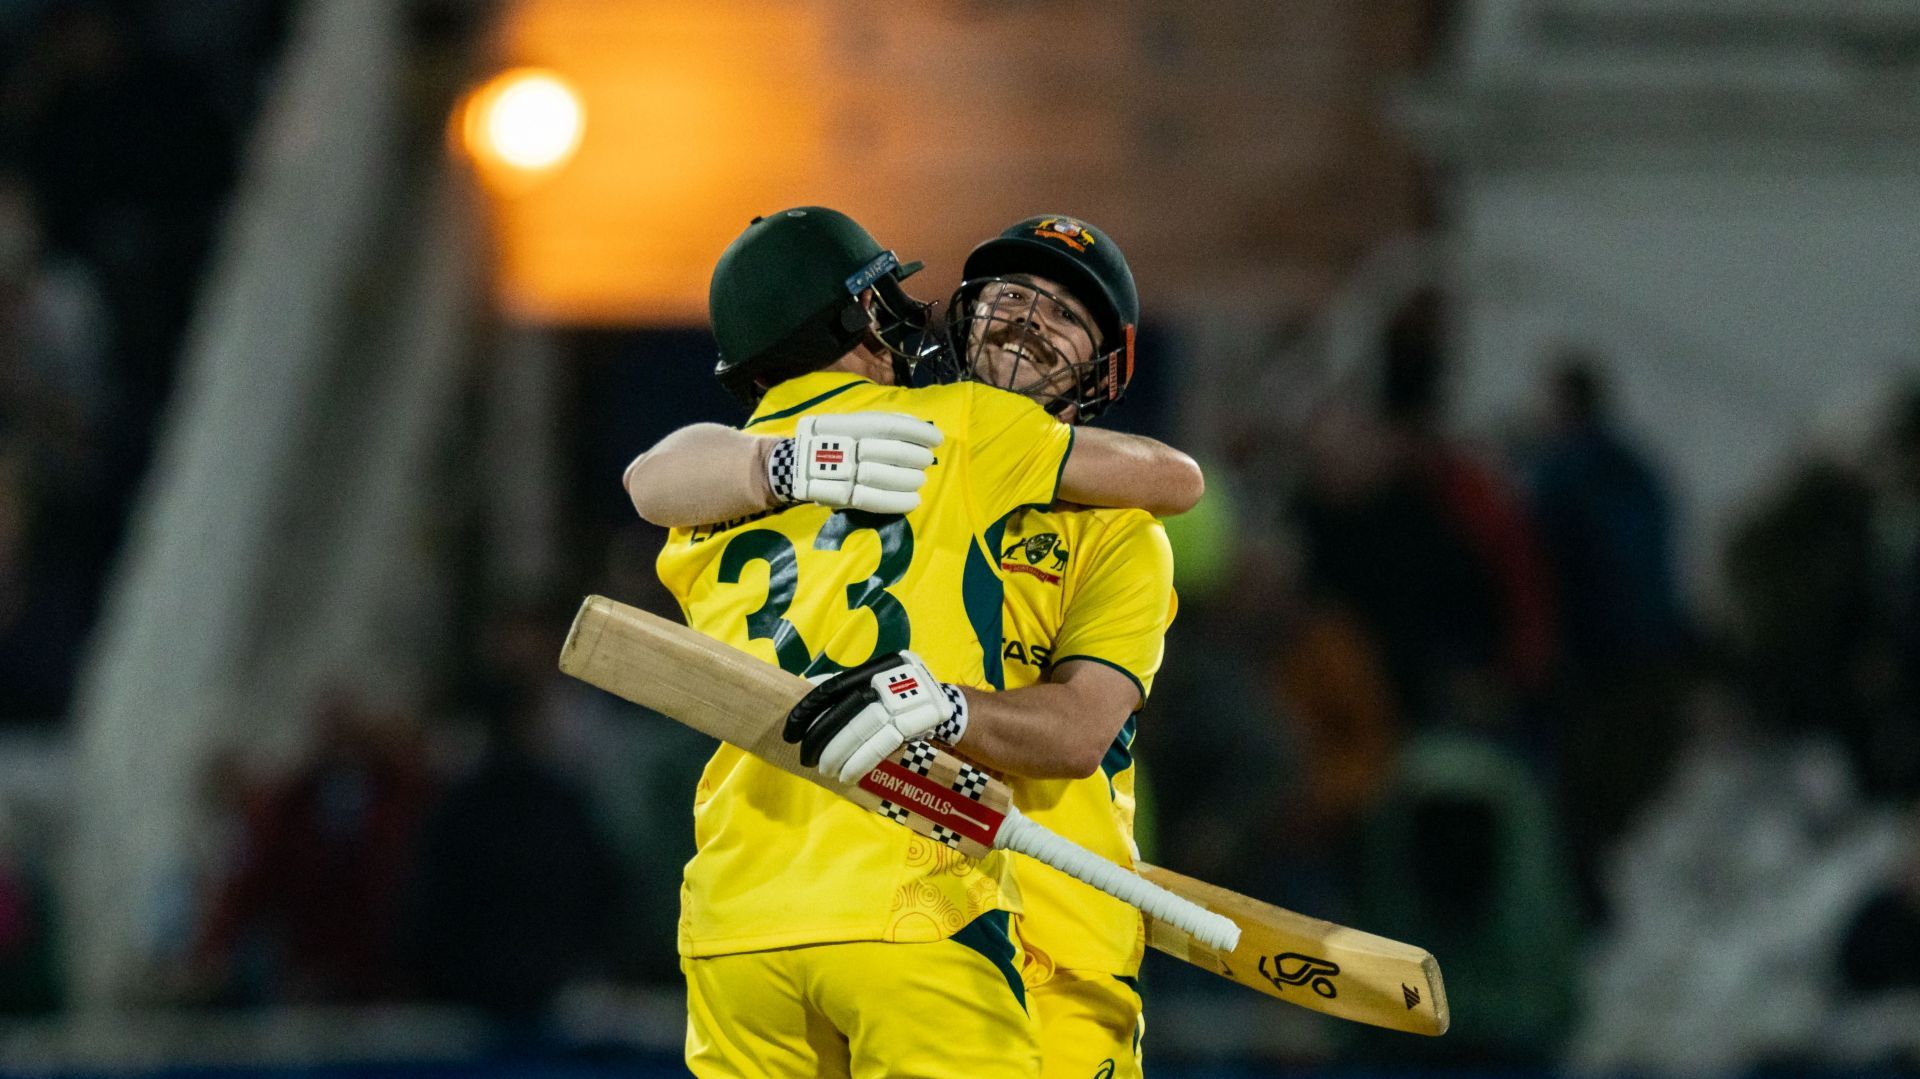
x: 1035, y: 841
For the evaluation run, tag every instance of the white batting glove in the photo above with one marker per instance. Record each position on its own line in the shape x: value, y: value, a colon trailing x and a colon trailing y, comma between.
x: 857, y: 718
x: 873, y: 461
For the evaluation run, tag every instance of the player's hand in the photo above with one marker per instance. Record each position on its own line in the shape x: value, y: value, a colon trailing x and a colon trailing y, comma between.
x: 855, y: 719
x: 873, y: 461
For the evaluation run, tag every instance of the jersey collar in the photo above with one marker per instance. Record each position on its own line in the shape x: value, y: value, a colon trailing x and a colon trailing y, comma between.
x: 802, y: 393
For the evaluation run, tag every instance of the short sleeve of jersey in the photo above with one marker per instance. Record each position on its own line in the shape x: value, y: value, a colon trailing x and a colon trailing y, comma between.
x: 1122, y: 601
x: 1018, y: 450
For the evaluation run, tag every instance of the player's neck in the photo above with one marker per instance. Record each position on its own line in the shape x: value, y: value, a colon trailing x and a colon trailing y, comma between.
x: 866, y: 363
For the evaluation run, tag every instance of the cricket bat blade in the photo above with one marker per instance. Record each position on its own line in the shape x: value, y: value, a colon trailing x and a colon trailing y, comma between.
x: 1329, y: 968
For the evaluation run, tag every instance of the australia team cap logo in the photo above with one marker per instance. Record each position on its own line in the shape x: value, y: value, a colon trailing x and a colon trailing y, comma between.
x: 1065, y: 230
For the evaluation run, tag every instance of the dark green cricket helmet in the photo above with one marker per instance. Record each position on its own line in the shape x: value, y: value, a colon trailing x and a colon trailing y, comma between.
x: 1088, y: 264
x: 786, y: 299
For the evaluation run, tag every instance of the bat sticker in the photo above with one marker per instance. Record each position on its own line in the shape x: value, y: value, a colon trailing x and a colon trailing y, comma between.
x: 1310, y: 971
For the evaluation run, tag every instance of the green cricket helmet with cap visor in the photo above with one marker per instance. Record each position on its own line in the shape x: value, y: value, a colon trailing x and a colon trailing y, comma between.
x: 1003, y: 327
x: 790, y: 295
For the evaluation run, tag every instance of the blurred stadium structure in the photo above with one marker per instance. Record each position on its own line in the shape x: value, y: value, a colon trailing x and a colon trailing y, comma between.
x: 1556, y: 364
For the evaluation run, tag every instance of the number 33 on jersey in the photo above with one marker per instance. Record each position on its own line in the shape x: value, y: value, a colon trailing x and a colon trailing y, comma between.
x: 819, y: 591
x: 816, y: 591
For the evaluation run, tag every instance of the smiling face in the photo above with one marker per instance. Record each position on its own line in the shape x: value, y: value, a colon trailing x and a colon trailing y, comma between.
x: 1027, y: 334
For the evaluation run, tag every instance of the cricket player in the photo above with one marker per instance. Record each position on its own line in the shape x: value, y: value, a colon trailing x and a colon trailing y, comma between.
x: 818, y: 939
x: 1048, y: 310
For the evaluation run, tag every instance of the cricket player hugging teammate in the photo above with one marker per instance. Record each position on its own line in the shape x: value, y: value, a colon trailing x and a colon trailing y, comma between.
x: 883, y: 574
x: 932, y: 558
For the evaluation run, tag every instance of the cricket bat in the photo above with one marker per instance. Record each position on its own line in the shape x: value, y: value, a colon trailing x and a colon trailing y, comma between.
x: 1316, y: 964
x: 726, y: 693
x: 722, y: 691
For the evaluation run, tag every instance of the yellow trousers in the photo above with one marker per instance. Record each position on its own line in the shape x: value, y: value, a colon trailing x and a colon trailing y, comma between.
x: 1090, y: 1026
x: 865, y: 1010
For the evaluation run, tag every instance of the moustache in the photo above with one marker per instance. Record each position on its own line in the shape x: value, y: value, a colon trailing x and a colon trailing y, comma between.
x: 1022, y: 340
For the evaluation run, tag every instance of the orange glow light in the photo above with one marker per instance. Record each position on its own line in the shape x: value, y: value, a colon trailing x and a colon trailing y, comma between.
x: 527, y: 120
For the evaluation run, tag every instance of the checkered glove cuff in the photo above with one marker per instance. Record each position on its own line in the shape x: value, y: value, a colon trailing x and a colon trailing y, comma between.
x: 780, y: 470
x: 950, y: 730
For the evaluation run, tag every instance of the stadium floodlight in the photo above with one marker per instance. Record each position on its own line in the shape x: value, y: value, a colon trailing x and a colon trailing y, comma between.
x: 528, y: 120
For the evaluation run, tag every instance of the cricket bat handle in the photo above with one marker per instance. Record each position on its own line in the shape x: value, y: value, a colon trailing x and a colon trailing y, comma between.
x: 1023, y: 835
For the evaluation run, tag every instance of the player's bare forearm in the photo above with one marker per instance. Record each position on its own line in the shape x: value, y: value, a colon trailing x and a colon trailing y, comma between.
x: 1108, y: 468
x: 1055, y: 730
x: 875, y: 462
x: 701, y: 474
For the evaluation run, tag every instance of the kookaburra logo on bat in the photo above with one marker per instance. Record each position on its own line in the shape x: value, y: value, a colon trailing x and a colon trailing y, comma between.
x: 1293, y: 968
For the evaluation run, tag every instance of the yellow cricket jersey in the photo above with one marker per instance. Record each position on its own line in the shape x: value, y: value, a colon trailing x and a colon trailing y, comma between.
x: 1092, y: 584
x: 779, y: 861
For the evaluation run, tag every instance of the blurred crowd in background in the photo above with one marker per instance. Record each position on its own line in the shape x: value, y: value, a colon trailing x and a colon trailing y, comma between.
x: 1453, y: 690
x: 117, y: 149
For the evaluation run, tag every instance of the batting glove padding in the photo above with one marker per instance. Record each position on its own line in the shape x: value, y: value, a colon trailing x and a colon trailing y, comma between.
x: 873, y: 461
x: 857, y: 718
